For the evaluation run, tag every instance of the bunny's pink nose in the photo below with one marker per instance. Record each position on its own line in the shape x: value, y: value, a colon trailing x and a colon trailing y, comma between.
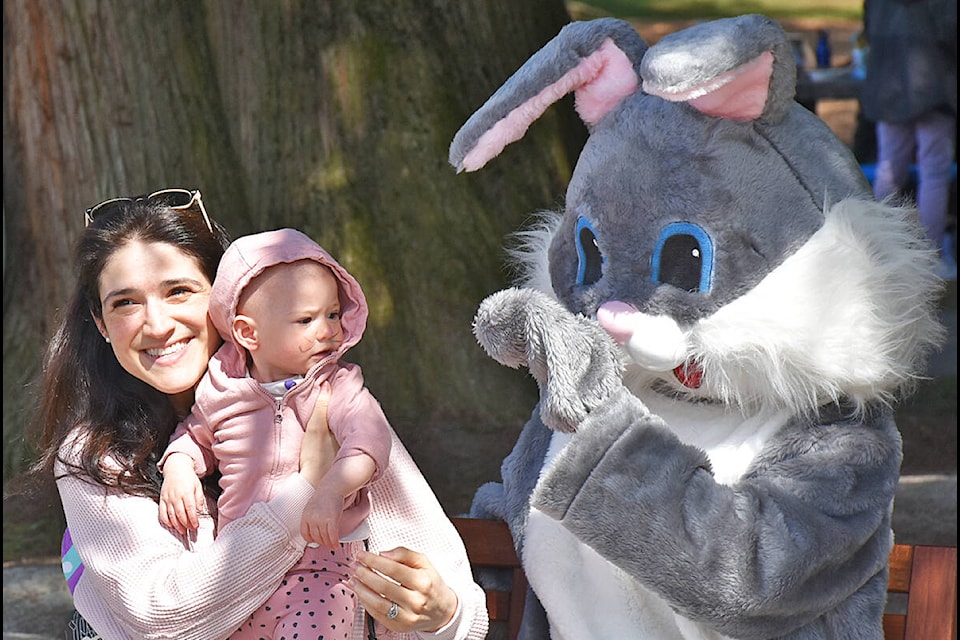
x: 617, y: 319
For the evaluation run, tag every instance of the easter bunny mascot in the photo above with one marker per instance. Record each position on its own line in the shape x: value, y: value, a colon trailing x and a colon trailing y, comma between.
x: 720, y: 322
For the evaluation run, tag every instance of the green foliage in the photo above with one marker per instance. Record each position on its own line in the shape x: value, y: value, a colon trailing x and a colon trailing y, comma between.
x: 711, y: 9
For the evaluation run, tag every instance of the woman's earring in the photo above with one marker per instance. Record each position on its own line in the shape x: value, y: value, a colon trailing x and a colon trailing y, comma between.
x: 107, y: 339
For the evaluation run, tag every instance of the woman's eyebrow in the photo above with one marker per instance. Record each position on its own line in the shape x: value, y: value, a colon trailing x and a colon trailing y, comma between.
x: 164, y: 284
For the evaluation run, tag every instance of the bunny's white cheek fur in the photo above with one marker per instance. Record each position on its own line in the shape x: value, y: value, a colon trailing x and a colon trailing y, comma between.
x: 657, y: 343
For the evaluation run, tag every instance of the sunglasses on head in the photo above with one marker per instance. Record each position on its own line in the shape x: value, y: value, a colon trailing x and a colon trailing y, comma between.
x: 176, y: 199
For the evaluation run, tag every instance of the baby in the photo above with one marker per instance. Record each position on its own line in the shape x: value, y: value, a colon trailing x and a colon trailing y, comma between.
x: 287, y: 312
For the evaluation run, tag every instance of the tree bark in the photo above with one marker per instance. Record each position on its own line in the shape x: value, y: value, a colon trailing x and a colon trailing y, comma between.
x: 332, y: 117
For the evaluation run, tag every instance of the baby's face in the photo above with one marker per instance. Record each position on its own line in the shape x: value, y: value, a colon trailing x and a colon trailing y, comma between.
x: 296, y: 314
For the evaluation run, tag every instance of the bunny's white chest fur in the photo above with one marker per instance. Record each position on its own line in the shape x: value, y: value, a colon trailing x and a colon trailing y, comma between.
x: 587, y: 596
x: 730, y: 439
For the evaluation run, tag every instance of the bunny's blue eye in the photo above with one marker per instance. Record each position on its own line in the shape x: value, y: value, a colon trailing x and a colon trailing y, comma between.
x: 683, y: 258
x: 590, y: 268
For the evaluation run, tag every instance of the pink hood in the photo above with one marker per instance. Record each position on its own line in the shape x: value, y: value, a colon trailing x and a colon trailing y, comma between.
x: 249, y: 255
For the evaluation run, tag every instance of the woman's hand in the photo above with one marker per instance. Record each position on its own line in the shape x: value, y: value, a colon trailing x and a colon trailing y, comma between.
x: 319, y: 447
x: 407, y: 578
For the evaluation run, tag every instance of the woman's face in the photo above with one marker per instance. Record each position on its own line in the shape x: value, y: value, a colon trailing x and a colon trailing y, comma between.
x: 155, y: 300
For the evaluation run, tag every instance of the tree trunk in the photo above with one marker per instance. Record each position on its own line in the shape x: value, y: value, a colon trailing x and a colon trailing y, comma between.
x: 332, y: 117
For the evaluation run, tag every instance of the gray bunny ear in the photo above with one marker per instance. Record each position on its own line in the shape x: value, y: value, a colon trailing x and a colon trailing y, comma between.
x: 738, y: 68
x: 596, y: 59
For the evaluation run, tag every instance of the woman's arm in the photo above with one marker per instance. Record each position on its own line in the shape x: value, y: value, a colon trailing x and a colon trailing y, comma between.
x: 406, y: 513
x: 322, y: 515
x: 141, y: 580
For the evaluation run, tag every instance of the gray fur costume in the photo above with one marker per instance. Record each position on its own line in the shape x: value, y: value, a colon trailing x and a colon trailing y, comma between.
x: 720, y: 321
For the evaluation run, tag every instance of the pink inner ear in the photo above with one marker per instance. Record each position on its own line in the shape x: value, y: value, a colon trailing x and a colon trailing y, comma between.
x: 743, y: 91
x: 601, y: 80
x: 614, y: 80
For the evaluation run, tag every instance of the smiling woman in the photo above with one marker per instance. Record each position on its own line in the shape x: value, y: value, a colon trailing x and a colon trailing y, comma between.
x: 153, y: 313
x: 146, y: 265
x: 120, y: 372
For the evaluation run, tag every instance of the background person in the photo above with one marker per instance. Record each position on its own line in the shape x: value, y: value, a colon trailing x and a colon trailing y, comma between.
x: 910, y: 92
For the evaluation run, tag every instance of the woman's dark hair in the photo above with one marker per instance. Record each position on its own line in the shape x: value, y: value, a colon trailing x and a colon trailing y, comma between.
x: 82, y: 385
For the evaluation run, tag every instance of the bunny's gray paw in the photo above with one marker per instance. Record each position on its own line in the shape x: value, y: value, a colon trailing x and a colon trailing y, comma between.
x: 575, y: 363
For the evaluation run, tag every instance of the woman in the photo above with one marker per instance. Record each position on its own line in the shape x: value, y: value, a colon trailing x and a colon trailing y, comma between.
x: 119, y: 373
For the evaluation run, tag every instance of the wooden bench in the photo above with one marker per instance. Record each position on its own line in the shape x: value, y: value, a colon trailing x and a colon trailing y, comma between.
x: 922, y: 592
x: 927, y: 577
x: 490, y: 545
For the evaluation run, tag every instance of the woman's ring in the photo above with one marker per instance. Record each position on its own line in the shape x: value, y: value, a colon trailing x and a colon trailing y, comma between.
x: 394, y: 610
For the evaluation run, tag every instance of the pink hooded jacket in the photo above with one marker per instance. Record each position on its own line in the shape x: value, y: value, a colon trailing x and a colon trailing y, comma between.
x: 238, y: 427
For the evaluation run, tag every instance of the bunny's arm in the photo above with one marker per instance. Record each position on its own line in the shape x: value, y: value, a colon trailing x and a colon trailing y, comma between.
x: 801, y: 542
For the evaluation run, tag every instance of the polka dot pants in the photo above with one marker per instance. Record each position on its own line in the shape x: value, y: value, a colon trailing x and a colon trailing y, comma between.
x: 312, y: 602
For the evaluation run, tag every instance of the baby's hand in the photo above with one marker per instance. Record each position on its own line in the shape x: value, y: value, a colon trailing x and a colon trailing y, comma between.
x: 321, y: 519
x: 181, y: 495
x: 318, y: 451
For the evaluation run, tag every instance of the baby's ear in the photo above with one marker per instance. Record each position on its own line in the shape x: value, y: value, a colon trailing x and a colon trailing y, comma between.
x: 244, y: 331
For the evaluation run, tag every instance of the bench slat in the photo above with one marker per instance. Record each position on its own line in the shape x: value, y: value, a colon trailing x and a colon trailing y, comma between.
x: 932, y: 608
x: 927, y: 575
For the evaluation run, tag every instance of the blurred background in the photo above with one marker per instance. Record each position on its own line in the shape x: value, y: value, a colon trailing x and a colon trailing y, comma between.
x: 335, y: 117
